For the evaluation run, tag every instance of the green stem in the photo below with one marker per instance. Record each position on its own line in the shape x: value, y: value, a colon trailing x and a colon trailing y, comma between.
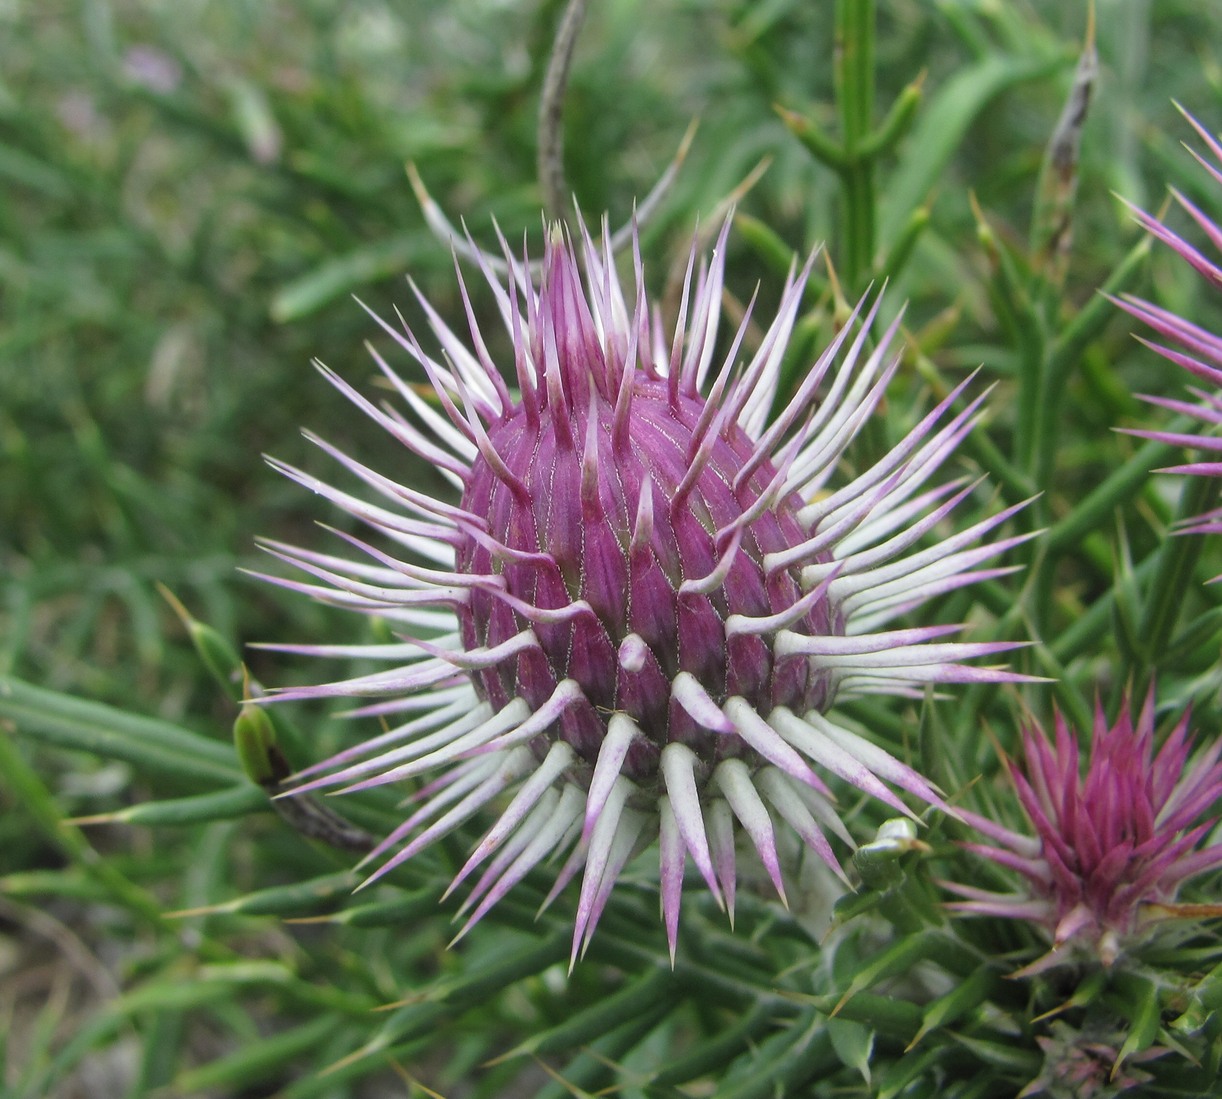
x: 1090, y: 514
x: 1097, y: 508
x: 1165, y: 598
x: 857, y: 184
x: 855, y: 91
x: 855, y: 68
x: 1066, y: 351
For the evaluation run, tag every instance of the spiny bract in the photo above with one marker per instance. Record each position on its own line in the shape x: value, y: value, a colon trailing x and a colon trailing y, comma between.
x: 1196, y: 349
x: 646, y: 600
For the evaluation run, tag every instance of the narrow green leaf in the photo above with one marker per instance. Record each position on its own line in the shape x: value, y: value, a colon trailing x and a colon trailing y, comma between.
x: 259, y: 1060
x: 1164, y: 600
x: 236, y: 801
x: 765, y: 242
x: 638, y: 994
x: 1096, y: 509
x: 214, y: 650
x: 1138, y: 1002
x: 853, y: 1043
x: 344, y: 274
x: 713, y: 1054
x: 940, y: 130
x: 784, y: 1062
x: 25, y: 170
x: 1005, y: 1056
x: 403, y: 910
x: 820, y: 146
x: 896, y: 1078
x: 895, y: 125
x: 965, y: 997
x: 300, y: 898
x: 31, y: 793
x: 599, y: 1067
x: 901, y: 251
x: 897, y: 958
x: 473, y: 988
x: 150, y: 744
x: 891, y: 1017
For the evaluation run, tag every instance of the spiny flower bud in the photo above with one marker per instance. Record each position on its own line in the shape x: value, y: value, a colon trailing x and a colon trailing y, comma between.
x: 1110, y: 849
x: 647, y: 597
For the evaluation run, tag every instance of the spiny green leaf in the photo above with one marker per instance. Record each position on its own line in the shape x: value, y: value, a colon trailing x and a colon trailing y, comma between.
x: 1138, y: 1001
x: 853, y: 1043
x: 958, y: 1002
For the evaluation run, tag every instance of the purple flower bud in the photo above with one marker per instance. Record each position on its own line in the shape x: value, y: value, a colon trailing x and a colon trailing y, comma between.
x: 1089, y: 1064
x: 1110, y: 850
x: 634, y: 620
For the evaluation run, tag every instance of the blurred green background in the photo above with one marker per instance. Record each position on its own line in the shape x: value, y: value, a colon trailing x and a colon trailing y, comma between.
x: 190, y: 194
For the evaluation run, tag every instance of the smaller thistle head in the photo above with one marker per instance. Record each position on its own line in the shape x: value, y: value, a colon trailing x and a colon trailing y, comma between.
x: 1194, y: 348
x: 1085, y: 1065
x: 1110, y: 849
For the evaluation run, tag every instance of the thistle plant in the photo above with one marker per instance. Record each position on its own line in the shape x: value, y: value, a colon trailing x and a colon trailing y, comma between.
x: 649, y: 594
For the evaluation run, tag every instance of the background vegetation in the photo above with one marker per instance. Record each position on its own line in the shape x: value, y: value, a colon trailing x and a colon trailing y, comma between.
x: 191, y: 192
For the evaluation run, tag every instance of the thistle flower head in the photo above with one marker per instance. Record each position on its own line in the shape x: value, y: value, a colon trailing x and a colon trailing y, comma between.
x: 1087, y: 1065
x: 633, y: 619
x: 1110, y: 849
x: 1194, y: 348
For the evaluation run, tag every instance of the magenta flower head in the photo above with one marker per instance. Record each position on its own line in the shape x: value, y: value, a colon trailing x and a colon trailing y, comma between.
x: 1110, y: 850
x: 631, y: 623
x: 1190, y: 346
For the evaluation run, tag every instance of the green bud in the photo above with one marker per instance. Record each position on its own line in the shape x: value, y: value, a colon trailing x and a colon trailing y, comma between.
x: 254, y: 737
x: 878, y: 862
x: 214, y: 650
x: 218, y: 656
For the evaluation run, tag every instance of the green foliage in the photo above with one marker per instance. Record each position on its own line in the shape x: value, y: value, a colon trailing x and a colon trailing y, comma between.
x: 192, y: 193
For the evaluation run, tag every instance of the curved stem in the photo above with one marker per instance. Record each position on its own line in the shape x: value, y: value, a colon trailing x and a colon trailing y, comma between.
x: 551, y: 111
x: 1165, y: 597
